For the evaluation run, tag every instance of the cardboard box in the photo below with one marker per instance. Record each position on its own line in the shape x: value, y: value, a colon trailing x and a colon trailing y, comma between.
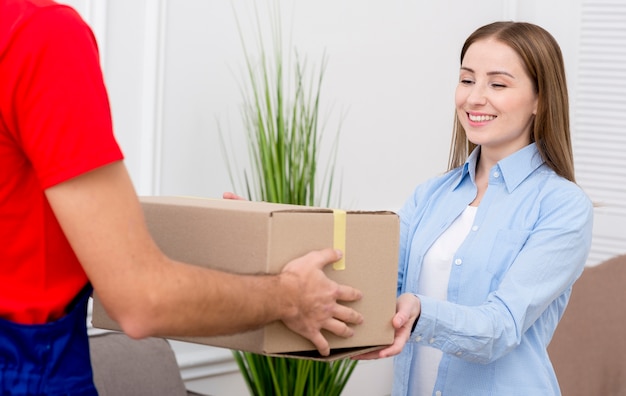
x: 259, y: 237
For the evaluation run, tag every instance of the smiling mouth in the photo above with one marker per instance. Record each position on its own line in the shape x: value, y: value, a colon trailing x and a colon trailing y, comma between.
x: 480, y: 118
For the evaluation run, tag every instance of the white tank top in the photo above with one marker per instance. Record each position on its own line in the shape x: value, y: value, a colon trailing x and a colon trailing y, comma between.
x: 433, y: 282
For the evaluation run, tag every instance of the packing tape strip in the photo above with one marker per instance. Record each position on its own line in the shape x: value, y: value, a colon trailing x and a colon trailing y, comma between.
x: 339, y: 236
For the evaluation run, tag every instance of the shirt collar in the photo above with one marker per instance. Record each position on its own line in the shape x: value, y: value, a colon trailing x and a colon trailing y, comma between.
x: 514, y: 168
x: 469, y: 168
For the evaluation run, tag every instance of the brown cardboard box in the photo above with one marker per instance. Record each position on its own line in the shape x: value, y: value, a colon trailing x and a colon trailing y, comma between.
x: 259, y: 237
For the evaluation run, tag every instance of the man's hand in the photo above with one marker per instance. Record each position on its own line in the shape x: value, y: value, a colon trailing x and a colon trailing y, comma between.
x: 312, y: 299
x: 408, y: 309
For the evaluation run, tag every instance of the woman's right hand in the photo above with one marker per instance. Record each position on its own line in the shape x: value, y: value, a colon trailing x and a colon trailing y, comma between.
x: 231, y: 195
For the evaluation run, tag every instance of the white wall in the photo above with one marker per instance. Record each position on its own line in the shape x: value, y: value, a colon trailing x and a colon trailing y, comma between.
x: 392, y: 71
x: 172, y: 68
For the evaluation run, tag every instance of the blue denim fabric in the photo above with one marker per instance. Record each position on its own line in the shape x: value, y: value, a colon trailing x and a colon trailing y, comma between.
x: 48, y: 359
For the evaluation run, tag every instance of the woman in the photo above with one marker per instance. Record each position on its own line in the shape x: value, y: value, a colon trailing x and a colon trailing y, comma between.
x: 490, y: 250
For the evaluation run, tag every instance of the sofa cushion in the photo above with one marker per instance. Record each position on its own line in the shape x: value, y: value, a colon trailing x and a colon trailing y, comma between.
x: 588, y: 349
x: 124, y: 366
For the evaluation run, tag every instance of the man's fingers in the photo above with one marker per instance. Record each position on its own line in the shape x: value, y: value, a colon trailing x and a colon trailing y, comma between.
x: 338, y: 328
x: 326, y: 256
x: 347, y: 315
x: 320, y: 343
x: 321, y: 258
x: 348, y: 293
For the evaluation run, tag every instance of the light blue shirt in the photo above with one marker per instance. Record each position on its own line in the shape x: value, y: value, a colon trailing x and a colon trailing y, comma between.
x: 510, y: 280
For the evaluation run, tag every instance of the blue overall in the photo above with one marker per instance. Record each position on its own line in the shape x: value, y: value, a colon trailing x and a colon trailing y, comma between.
x: 48, y: 359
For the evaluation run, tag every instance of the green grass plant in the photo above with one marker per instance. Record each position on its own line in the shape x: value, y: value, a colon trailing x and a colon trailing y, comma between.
x: 278, y: 376
x: 281, y: 115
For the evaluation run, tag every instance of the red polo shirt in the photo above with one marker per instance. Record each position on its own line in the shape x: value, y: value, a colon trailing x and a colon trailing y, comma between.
x: 55, y: 124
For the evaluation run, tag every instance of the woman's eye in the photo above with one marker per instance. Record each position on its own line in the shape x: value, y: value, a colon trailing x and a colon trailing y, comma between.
x: 466, y: 81
x: 498, y: 85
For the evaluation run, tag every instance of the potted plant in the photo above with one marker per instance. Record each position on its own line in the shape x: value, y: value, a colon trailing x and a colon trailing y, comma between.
x: 281, y: 117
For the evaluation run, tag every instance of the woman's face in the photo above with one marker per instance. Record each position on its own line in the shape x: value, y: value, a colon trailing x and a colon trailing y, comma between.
x: 495, y: 99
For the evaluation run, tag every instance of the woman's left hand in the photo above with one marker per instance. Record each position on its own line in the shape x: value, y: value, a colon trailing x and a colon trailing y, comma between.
x: 408, y: 310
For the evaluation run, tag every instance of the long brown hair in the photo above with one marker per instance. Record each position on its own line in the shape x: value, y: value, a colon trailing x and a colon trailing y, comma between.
x: 542, y: 58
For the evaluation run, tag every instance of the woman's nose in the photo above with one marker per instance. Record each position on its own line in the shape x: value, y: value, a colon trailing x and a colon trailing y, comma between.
x: 477, y: 95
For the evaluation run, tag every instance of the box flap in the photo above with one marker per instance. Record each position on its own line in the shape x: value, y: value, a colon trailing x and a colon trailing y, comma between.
x: 335, y: 354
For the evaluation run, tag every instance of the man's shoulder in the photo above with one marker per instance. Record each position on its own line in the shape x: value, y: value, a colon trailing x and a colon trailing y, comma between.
x: 15, y: 15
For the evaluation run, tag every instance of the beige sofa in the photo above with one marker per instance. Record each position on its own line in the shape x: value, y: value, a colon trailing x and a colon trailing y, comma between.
x: 126, y: 367
x: 588, y: 349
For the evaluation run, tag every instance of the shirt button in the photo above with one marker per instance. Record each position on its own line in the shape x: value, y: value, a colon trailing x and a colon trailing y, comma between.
x: 496, y: 174
x: 438, y: 393
x: 459, y: 353
x: 475, y: 228
x: 418, y: 338
x: 458, y: 261
x: 431, y: 341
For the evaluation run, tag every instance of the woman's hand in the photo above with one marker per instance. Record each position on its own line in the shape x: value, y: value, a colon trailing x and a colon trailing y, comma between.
x: 231, y: 195
x: 408, y: 310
